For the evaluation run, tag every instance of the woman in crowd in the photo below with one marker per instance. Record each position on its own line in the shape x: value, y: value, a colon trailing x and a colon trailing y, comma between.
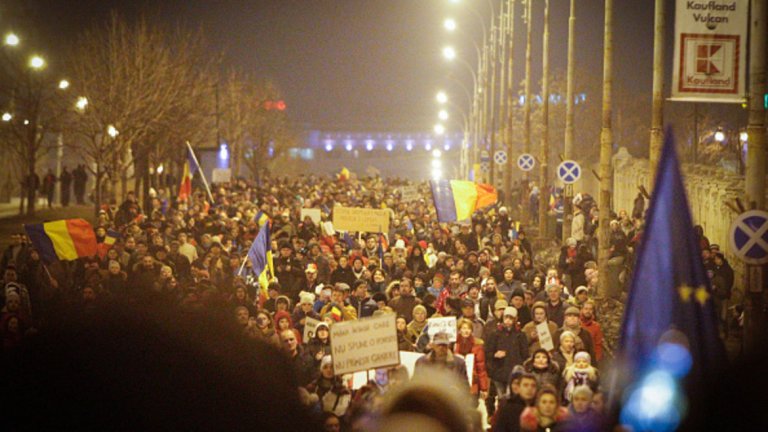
x: 467, y: 344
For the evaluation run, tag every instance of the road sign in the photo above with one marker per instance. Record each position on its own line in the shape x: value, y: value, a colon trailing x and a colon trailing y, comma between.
x: 485, y: 167
x: 526, y: 162
x: 569, y: 171
x: 484, y: 156
x: 500, y: 157
x: 748, y: 237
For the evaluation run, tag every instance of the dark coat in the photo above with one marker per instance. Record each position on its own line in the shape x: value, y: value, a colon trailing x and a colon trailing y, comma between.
x: 516, y: 346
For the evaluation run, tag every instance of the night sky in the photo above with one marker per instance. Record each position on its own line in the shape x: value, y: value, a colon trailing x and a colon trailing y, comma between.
x: 366, y: 64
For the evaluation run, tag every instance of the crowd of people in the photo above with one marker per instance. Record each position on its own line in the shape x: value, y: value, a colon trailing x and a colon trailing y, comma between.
x: 531, y: 327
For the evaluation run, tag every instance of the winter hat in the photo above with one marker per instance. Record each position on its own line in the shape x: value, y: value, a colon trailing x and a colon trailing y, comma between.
x: 500, y: 304
x: 441, y: 338
x: 571, y: 242
x: 306, y: 298
x: 400, y: 244
x: 572, y: 310
x: 517, y: 293
x: 510, y: 311
x: 285, y: 299
x: 566, y: 334
x: 581, y: 355
x: 419, y: 308
x: 581, y: 289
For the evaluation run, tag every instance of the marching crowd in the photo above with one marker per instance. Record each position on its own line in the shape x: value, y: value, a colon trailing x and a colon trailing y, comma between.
x: 528, y: 327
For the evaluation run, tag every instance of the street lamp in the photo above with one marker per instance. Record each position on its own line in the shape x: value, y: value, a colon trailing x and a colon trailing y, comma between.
x: 112, y: 131
x: 449, y: 24
x: 743, y: 136
x: 36, y: 62
x: 11, y: 39
x: 449, y: 53
x: 63, y: 84
x: 442, y: 97
x: 82, y: 103
x: 442, y: 115
x: 719, y: 136
x: 7, y: 117
x: 439, y: 129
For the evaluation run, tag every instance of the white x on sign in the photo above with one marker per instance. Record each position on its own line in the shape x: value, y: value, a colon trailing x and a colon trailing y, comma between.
x: 749, y: 237
x: 569, y: 171
x: 526, y: 162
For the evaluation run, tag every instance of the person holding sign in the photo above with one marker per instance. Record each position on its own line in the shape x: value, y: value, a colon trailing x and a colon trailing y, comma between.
x: 506, y: 348
x: 442, y: 357
x: 540, y: 326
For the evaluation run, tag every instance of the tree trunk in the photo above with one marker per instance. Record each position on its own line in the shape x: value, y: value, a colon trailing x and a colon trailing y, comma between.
x: 97, y: 193
x: 31, y: 191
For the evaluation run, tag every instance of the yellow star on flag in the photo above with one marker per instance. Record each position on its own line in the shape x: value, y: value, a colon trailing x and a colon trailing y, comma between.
x: 685, y: 292
x: 702, y: 295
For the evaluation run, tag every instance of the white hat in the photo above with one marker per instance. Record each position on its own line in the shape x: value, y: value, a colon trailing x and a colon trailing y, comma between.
x: 400, y: 244
x: 306, y: 297
x: 509, y: 310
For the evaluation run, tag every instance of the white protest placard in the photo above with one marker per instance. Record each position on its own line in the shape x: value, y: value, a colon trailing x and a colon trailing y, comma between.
x: 310, y: 324
x: 442, y: 324
x: 710, y: 59
x: 360, y: 219
x: 364, y: 344
x: 409, y: 193
x: 469, y: 359
x: 221, y: 175
x: 408, y: 360
x: 545, y: 337
x: 313, y: 213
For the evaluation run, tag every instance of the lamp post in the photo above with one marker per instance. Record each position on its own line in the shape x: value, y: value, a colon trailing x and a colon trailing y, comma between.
x: 568, y: 147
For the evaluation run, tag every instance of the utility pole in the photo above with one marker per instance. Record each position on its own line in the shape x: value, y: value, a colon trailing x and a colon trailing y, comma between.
x: 606, y: 144
x: 503, y: 54
x: 510, y: 103
x: 527, y: 110
x: 568, y: 148
x: 755, y: 170
x: 657, y: 113
x: 544, y: 151
x: 492, y: 96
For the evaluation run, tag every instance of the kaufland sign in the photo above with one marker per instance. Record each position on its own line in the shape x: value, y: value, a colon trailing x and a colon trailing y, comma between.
x: 710, y: 51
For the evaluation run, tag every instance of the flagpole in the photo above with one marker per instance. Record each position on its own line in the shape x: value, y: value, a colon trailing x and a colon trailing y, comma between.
x: 242, y: 265
x: 202, y: 174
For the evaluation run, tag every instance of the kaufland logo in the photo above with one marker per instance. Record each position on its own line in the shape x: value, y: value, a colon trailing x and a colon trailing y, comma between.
x: 709, y: 58
x: 709, y: 64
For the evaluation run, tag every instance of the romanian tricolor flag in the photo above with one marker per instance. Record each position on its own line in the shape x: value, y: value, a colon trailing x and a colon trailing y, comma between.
x: 189, y: 170
x: 456, y: 200
x: 343, y: 174
x: 111, y: 237
x: 260, y: 255
x: 261, y: 218
x: 65, y: 240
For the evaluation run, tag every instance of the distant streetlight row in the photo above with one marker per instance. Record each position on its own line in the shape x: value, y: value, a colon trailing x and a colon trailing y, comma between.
x: 37, y: 62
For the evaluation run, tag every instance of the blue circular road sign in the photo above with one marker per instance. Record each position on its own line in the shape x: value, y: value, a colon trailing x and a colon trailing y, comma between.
x: 526, y: 162
x: 569, y: 171
x: 748, y: 237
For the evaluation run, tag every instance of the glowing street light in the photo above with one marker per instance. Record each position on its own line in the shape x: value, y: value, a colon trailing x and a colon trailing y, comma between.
x: 7, y: 117
x: 449, y: 53
x: 36, y: 62
x: 442, y: 97
x: 719, y: 136
x: 11, y: 39
x: 743, y: 136
x: 439, y: 129
x: 449, y: 24
x: 63, y: 84
x: 436, y: 153
x: 112, y: 131
x: 442, y: 115
x: 82, y: 103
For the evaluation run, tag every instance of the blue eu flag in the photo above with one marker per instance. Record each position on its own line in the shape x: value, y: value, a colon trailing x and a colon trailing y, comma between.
x: 670, y: 289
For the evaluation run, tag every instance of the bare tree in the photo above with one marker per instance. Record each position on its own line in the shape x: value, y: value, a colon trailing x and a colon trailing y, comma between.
x: 141, y: 84
x: 34, y: 110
